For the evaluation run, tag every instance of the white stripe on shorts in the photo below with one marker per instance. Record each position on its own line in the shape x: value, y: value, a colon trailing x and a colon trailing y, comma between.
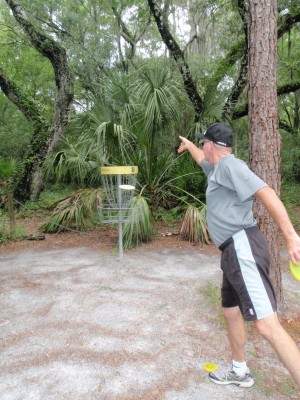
x: 251, y: 276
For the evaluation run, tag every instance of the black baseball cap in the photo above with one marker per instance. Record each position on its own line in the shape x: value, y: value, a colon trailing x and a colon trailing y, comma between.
x: 218, y: 133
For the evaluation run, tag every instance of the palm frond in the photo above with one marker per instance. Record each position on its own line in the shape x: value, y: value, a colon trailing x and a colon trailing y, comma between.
x: 140, y: 227
x: 159, y: 96
x: 213, y: 104
x: 73, y: 211
x: 78, y: 162
x: 9, y: 169
x: 194, y: 228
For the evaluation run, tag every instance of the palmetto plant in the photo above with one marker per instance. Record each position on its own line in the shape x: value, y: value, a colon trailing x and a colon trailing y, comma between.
x: 194, y: 227
x: 76, y: 162
x: 73, y: 211
x: 140, y: 227
x: 135, y: 121
x: 108, y: 127
x: 159, y: 97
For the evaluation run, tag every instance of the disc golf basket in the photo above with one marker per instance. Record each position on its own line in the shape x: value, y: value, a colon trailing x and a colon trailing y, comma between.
x: 119, y: 187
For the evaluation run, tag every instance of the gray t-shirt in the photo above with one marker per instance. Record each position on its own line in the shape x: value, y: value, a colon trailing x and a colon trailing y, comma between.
x: 229, y: 197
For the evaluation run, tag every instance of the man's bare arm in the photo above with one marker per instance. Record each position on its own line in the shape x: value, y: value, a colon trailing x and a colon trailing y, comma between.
x: 195, y: 152
x: 279, y: 214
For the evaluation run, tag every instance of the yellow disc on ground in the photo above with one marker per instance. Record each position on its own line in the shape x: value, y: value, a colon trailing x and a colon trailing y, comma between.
x: 209, y: 367
x: 295, y: 270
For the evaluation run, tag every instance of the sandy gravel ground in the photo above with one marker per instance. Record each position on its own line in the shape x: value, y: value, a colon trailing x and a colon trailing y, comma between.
x: 77, y: 323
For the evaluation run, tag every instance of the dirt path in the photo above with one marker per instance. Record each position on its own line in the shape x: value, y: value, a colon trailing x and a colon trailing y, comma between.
x: 76, y: 323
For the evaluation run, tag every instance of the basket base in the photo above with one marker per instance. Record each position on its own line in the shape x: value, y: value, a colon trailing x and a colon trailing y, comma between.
x: 113, y: 215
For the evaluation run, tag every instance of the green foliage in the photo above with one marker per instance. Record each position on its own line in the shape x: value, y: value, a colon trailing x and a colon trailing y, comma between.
x: 290, y: 197
x: 189, y: 180
x: 158, y: 183
x: 45, y: 202
x: 140, y: 227
x: 8, y: 169
x: 130, y: 128
x: 77, y: 162
x: 6, y: 233
x: 131, y: 103
x: 12, y: 122
x: 290, y: 157
x: 290, y: 193
x: 168, y: 216
x: 134, y: 125
x: 241, y: 139
x: 156, y: 127
x: 73, y: 211
x: 159, y: 95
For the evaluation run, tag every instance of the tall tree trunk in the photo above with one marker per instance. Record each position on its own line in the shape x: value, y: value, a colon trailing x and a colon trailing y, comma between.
x: 45, y: 137
x: 265, y: 142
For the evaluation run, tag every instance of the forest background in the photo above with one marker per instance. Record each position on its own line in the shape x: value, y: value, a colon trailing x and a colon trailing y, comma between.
x: 91, y: 83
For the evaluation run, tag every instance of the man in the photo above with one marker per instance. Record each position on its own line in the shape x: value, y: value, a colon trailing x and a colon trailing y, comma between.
x: 247, y: 292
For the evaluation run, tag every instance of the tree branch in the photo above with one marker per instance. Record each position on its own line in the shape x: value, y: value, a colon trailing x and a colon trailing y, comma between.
x: 125, y: 32
x: 28, y: 107
x: 178, y: 56
x: 242, y: 79
x: 237, y: 50
x: 191, y: 40
x: 129, y: 37
x: 286, y: 22
x: 126, y: 35
x: 234, y: 54
x: 56, y: 28
x: 44, y: 44
x: 242, y: 110
x: 290, y: 87
x: 286, y: 127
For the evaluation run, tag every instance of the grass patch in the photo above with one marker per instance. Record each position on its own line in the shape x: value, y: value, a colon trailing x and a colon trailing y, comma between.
x: 270, y: 387
x: 6, y: 233
x: 212, y: 295
x: 290, y: 197
x: 251, y: 352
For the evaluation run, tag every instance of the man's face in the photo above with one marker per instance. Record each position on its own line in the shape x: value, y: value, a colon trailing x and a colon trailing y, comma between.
x: 207, y: 146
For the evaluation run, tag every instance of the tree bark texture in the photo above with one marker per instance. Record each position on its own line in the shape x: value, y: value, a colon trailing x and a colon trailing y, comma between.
x: 264, y: 138
x: 24, y: 188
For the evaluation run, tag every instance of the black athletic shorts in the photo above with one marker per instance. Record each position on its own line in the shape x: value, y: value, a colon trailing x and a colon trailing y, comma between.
x: 246, y: 283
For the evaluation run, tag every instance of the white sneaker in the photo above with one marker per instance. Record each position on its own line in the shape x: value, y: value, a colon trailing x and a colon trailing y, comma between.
x: 231, y: 377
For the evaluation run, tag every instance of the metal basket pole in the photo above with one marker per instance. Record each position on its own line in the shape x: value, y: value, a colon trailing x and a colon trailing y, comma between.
x: 120, y: 216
